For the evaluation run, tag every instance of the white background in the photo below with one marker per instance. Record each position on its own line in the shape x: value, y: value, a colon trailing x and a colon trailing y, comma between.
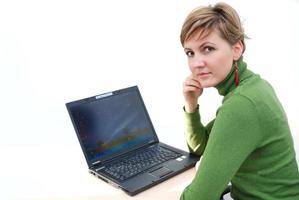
x: 53, y: 52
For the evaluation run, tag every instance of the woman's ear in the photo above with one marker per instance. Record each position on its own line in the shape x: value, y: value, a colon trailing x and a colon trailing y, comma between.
x: 237, y: 50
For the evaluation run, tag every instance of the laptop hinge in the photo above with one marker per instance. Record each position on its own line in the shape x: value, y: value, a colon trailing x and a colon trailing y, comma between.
x: 152, y: 142
x: 96, y: 163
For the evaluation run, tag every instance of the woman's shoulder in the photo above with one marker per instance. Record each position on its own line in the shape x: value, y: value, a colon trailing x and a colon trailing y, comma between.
x: 254, y: 95
x: 254, y: 88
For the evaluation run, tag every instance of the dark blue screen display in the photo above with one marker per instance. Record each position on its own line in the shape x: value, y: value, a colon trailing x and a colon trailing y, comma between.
x: 112, y: 124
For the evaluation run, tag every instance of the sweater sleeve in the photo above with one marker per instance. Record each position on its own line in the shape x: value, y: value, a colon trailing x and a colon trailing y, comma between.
x: 235, y: 134
x: 196, y: 133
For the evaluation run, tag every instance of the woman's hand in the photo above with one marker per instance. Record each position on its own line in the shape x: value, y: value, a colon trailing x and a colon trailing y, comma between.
x: 192, y: 90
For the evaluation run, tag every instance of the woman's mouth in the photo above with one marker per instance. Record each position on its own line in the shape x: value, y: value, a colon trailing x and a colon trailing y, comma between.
x: 204, y: 74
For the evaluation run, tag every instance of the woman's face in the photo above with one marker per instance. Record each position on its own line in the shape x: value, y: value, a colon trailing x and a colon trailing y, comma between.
x: 210, y: 58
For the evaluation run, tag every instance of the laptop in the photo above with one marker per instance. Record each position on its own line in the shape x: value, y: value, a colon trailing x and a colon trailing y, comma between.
x: 120, y: 144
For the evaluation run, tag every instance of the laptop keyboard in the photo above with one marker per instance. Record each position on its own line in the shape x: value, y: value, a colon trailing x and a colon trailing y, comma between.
x: 139, y: 162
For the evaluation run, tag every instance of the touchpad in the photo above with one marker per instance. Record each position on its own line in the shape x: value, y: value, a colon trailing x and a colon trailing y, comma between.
x: 160, y: 172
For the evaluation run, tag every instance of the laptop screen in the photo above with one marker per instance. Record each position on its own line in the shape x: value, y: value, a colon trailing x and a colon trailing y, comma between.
x: 111, y: 123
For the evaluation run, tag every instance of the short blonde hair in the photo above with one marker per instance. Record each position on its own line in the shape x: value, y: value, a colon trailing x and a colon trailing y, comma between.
x: 221, y: 17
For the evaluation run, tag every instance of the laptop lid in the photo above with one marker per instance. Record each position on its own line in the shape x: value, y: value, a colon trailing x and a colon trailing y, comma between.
x: 111, y: 124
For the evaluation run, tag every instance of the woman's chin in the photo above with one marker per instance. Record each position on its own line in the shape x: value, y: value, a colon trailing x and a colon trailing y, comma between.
x: 207, y: 85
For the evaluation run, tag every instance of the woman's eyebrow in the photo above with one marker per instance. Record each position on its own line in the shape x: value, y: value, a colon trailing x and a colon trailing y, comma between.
x: 187, y: 49
x: 206, y: 43
x: 200, y: 46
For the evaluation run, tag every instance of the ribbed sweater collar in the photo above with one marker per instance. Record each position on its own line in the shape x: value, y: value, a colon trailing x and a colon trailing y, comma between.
x: 228, y: 84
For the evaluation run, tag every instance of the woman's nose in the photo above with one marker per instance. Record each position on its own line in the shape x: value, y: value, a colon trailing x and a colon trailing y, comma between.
x: 196, y: 62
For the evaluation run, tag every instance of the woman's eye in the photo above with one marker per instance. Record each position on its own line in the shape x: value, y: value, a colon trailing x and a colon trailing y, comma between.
x: 208, y: 49
x: 189, y: 53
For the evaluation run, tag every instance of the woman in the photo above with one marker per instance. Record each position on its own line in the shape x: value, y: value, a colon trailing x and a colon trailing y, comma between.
x: 249, y: 143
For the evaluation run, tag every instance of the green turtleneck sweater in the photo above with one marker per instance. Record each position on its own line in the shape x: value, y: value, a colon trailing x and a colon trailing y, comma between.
x: 249, y: 144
